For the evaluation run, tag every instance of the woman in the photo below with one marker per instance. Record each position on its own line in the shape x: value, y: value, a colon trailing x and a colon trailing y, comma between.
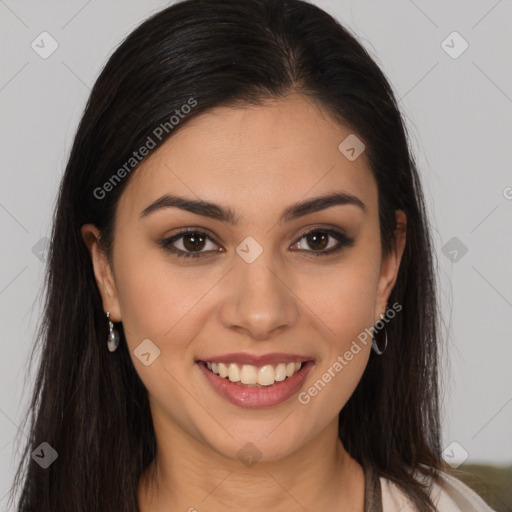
x: 241, y: 308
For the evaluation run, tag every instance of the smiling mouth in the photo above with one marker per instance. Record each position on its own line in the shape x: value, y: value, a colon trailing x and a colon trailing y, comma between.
x: 254, y: 376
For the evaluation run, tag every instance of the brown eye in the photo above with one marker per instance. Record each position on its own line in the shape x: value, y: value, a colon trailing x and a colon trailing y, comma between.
x: 317, y: 240
x: 190, y: 243
x: 194, y: 241
x: 322, y: 242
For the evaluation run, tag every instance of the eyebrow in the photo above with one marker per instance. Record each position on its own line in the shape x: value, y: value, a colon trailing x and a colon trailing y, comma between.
x: 218, y: 212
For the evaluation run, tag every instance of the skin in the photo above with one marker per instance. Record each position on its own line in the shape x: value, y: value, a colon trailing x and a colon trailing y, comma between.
x: 256, y: 161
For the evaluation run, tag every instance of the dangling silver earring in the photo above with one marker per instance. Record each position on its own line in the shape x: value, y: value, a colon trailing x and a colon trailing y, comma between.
x: 113, y: 335
x: 375, y: 345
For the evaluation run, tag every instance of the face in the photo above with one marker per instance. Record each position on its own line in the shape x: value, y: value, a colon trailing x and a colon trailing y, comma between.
x: 268, y: 277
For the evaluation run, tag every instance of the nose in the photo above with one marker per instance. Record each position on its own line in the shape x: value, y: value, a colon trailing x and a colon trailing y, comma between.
x: 259, y: 302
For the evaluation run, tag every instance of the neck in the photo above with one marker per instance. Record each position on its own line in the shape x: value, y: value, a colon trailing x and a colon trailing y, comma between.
x: 186, y: 475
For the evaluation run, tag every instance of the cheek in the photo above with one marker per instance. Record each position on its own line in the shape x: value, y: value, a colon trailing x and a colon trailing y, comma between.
x: 344, y: 300
x: 343, y: 359
x: 143, y: 305
x: 344, y: 297
x: 334, y: 380
x: 158, y: 304
x: 152, y: 296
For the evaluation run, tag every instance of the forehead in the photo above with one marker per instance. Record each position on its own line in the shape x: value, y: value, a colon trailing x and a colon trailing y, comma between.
x: 253, y: 159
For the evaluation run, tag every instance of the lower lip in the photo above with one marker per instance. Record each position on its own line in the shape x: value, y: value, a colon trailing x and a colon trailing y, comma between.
x: 244, y: 396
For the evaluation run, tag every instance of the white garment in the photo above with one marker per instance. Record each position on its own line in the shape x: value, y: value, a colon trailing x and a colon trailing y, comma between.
x: 451, y: 495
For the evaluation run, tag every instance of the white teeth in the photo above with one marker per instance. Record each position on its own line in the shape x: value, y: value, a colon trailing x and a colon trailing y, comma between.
x: 250, y: 375
x: 234, y: 373
x: 223, y: 370
x: 280, y: 373
x: 266, y: 375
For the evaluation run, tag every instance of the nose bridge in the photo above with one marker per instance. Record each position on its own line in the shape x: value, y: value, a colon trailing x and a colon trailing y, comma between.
x: 260, y: 301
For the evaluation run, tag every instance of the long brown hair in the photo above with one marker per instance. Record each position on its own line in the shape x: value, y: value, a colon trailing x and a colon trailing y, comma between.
x: 91, y: 406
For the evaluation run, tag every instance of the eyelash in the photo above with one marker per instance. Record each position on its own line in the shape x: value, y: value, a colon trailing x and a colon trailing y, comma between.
x: 343, y: 240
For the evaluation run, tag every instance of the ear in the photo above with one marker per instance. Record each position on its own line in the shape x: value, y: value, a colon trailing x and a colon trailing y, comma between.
x: 391, y: 264
x: 102, y: 272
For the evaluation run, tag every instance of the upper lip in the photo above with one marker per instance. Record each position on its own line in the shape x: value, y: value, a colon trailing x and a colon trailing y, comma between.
x: 257, y: 360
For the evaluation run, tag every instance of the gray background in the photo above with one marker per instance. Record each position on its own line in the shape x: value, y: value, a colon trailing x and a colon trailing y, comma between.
x: 458, y: 111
